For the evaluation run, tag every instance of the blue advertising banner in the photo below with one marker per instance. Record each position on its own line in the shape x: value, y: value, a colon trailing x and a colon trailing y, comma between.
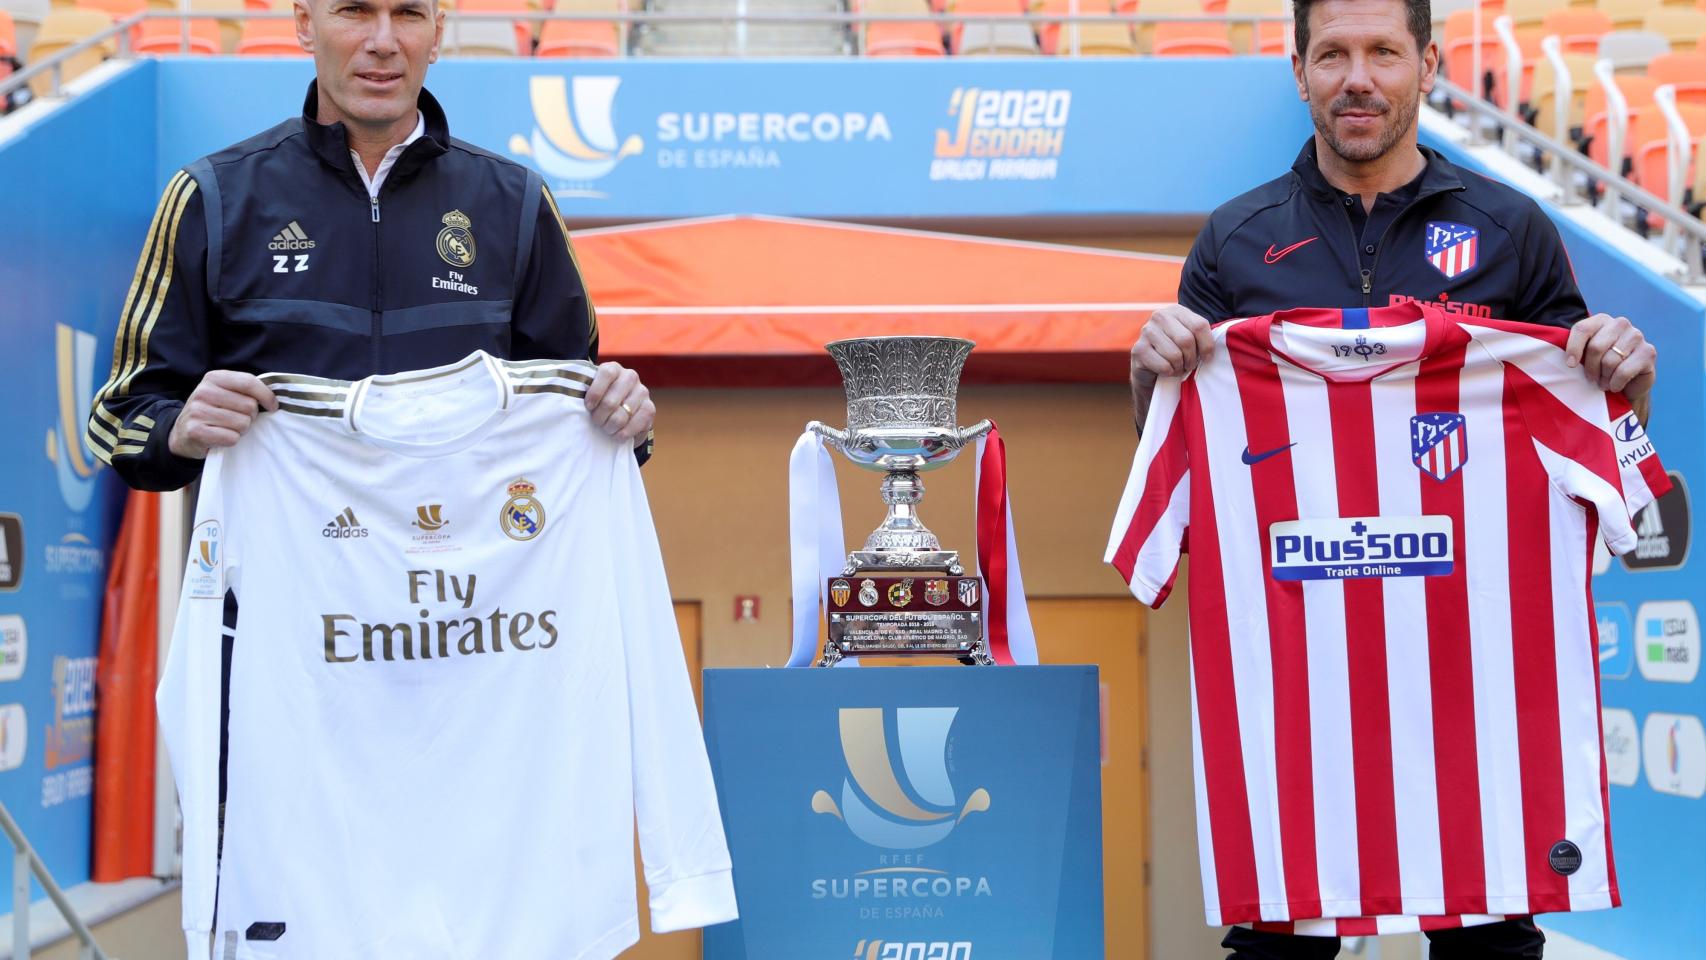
x: 909, y: 813
x: 944, y: 138
x: 1647, y: 605
x: 59, y: 506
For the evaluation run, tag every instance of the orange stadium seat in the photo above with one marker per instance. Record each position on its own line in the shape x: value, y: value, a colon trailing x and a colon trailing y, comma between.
x: 269, y: 38
x: 1192, y: 39
x: 65, y: 27
x: 166, y: 37
x: 580, y: 38
x: 1156, y: 8
x: 903, y: 40
x: 1271, y: 38
x: 1458, y: 48
x: 523, y: 28
x: 1637, y: 94
x: 586, y: 42
x: 1651, y: 152
x: 1578, y: 30
x: 1684, y: 71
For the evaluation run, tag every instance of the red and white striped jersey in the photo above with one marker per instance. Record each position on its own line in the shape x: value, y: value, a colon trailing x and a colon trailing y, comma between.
x: 1391, y: 514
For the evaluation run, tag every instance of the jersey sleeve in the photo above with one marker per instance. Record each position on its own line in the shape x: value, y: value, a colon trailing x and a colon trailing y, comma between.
x: 161, y: 349
x: 686, y: 857
x: 1154, y: 514
x: 188, y: 699
x: 1593, y: 446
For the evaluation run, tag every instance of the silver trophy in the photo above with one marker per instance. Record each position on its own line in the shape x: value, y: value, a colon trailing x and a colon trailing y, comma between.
x: 903, y: 593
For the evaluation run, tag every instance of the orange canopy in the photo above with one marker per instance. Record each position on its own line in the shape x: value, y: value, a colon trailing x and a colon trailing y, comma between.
x: 760, y: 296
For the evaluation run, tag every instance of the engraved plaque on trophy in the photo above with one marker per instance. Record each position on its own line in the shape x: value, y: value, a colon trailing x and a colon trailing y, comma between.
x: 903, y: 594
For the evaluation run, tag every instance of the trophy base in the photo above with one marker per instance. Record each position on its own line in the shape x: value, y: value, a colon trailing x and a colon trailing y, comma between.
x: 918, y: 561
x: 889, y: 614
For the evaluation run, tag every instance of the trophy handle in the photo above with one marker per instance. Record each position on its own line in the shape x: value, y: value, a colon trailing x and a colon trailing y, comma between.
x: 976, y: 430
x: 833, y: 435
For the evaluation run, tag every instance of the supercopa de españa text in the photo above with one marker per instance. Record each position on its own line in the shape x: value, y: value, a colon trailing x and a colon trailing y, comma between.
x: 348, y: 639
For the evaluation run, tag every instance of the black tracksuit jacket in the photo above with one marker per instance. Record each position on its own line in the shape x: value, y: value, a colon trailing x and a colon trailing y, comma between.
x: 1299, y: 242
x: 269, y: 256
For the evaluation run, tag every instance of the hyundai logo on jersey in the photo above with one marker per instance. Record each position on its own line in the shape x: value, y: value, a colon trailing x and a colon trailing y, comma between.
x: 1343, y: 548
x: 1439, y: 443
x: 1450, y: 247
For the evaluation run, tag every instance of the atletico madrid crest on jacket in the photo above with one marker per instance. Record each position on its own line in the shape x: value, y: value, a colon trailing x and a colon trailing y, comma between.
x: 1451, y: 247
x: 1439, y: 443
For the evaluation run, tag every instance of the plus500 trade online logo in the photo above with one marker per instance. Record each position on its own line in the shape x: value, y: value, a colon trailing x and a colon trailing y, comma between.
x: 898, y: 795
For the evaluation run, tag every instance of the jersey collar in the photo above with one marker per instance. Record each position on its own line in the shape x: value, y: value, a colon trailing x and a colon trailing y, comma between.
x: 330, y: 141
x: 1442, y: 333
x: 1439, y: 176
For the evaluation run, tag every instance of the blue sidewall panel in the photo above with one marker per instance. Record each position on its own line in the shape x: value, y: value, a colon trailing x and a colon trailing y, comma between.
x: 81, y: 188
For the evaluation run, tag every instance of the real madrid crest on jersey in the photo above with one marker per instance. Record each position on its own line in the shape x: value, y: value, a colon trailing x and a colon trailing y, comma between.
x: 456, y: 240
x: 522, y: 516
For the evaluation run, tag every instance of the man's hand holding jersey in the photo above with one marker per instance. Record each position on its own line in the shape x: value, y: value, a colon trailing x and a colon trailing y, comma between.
x: 620, y: 403
x: 218, y: 411
x: 1617, y: 356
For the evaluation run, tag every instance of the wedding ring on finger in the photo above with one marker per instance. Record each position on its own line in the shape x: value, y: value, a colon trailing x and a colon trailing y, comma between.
x: 1624, y: 354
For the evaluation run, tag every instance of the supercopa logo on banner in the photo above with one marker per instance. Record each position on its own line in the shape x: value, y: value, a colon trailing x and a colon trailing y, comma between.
x: 577, y: 138
x: 897, y: 796
x: 909, y: 814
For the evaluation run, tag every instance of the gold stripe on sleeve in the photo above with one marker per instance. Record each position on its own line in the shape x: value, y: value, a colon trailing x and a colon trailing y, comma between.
x: 591, y: 310
x: 160, y: 297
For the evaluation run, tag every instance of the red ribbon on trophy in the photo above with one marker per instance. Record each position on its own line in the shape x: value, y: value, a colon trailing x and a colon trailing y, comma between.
x: 1008, y: 623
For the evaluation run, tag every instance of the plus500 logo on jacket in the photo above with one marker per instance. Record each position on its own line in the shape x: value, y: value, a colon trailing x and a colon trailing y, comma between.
x: 1347, y: 547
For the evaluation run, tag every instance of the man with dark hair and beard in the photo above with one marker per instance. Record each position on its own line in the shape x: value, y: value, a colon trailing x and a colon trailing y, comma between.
x: 1367, y: 218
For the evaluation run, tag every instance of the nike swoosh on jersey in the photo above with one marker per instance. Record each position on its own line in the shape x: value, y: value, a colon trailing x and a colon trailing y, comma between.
x: 1254, y: 458
x: 1275, y: 256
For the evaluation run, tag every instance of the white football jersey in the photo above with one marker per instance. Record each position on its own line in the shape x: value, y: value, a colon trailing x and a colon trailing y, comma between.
x: 456, y: 682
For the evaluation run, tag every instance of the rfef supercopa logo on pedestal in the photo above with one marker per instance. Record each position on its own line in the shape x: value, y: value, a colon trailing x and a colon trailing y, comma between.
x: 909, y: 814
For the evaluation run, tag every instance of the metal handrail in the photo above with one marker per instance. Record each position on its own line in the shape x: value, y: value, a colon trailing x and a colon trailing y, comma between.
x: 1616, y: 128
x: 25, y: 862
x: 120, y: 30
x: 1690, y: 242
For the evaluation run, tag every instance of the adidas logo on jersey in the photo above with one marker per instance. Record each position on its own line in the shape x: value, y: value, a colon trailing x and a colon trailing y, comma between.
x: 344, y: 527
x: 291, y: 238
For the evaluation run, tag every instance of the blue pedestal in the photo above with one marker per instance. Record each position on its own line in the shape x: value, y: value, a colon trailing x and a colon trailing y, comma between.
x: 910, y: 813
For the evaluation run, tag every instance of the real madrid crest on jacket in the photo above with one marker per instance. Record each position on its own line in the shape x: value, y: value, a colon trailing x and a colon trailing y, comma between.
x: 270, y: 255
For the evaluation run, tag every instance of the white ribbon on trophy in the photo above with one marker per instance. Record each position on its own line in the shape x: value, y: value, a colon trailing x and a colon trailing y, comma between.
x: 818, y: 552
x: 815, y: 546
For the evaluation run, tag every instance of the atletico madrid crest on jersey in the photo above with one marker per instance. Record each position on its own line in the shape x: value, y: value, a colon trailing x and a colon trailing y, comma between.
x: 1439, y: 443
x: 1451, y: 247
